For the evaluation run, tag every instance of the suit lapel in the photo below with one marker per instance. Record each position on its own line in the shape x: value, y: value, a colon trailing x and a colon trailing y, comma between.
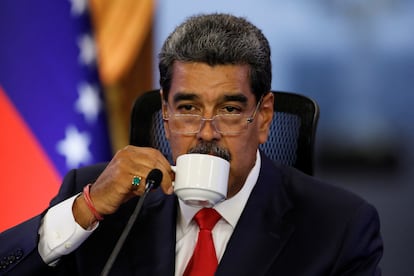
x: 261, y: 232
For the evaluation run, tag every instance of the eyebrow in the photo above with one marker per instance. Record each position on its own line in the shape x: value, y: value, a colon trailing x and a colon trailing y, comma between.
x: 182, y: 96
x: 235, y: 98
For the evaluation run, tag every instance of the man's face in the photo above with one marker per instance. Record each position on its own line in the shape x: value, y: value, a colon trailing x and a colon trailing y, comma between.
x: 208, y: 91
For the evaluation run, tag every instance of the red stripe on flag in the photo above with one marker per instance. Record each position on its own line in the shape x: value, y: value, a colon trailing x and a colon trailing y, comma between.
x: 28, y: 179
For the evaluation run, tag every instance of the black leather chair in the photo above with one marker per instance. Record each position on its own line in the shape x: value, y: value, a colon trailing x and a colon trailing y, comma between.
x: 292, y: 134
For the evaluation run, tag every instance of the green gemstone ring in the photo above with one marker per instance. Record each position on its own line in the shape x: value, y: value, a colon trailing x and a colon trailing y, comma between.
x: 135, y: 181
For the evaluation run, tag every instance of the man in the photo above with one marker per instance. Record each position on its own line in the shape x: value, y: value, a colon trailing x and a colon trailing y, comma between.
x: 275, y: 221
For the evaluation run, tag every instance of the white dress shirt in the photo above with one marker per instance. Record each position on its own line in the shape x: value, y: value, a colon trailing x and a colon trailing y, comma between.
x: 59, y: 234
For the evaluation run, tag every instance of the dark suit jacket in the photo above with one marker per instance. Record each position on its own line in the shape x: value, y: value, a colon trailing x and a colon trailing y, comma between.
x: 292, y: 225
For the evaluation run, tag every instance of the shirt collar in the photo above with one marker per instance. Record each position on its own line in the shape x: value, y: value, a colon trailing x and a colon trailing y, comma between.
x: 230, y: 209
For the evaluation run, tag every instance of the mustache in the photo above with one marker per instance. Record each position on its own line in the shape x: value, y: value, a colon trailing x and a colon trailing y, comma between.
x: 211, y: 148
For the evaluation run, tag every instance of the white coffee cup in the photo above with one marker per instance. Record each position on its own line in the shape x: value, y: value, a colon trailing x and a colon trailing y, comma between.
x: 201, y: 179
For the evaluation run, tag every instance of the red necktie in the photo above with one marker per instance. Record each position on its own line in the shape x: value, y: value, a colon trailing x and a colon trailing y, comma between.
x: 204, y: 260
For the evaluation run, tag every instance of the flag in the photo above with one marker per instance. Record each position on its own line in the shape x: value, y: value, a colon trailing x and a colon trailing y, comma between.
x: 51, y: 104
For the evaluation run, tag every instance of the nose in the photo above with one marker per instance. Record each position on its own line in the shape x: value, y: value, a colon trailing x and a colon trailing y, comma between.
x: 208, y: 131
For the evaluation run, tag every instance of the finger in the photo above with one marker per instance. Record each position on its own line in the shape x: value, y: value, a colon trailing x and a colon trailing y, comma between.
x: 114, y: 186
x: 146, y: 159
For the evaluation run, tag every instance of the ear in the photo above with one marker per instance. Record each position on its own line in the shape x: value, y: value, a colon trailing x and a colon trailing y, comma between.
x: 265, y: 116
x: 164, y: 115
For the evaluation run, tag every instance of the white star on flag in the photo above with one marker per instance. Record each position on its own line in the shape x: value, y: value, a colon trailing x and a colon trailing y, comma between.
x: 87, y: 50
x: 88, y: 102
x: 78, y: 7
x: 75, y: 147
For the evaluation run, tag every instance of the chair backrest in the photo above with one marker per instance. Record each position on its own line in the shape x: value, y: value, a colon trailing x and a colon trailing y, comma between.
x: 292, y: 132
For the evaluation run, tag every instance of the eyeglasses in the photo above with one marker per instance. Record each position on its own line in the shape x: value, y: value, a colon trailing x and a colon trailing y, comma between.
x: 225, y: 124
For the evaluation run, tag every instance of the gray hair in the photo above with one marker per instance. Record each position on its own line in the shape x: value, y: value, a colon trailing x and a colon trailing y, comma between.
x: 218, y: 39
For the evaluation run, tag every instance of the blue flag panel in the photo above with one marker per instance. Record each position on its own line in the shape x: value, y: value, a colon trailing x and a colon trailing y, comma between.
x: 48, y: 71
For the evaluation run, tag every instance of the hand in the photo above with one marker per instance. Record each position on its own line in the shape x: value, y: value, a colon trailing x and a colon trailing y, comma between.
x: 113, y: 187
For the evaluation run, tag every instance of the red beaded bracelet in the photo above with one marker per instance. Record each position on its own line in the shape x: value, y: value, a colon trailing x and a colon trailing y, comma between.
x: 89, y: 202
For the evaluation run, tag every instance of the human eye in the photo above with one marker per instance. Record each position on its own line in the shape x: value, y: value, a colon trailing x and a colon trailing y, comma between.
x: 230, y: 109
x: 186, y: 108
